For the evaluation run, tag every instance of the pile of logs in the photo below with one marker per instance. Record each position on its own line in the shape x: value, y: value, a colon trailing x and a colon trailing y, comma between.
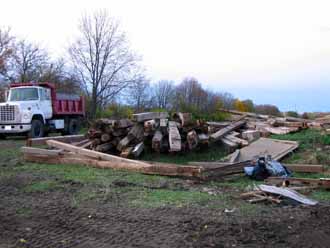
x: 161, y: 133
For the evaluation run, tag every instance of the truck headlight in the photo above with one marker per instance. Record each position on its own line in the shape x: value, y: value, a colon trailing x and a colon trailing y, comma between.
x: 26, y: 116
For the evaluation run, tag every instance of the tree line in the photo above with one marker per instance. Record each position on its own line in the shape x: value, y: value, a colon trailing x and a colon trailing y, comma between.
x: 100, y: 64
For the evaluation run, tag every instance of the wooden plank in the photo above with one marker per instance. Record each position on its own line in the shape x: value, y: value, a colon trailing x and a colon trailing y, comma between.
x: 34, y: 150
x: 123, y: 143
x: 145, y: 168
x: 222, y: 132
x: 321, y: 183
x: 234, y: 156
x: 277, y: 149
x: 141, y: 117
x: 66, y: 139
x: 306, y: 168
x: 92, y: 154
x: 157, y: 141
x: 259, y: 116
x: 174, y: 137
x: 221, y: 124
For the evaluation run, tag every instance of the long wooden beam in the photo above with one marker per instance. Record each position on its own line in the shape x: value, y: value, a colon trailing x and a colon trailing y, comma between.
x: 307, y: 168
x: 67, y: 139
x: 222, y: 132
x: 93, y: 154
x: 152, y: 168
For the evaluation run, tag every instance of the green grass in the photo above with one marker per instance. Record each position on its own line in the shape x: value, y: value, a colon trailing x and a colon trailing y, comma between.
x: 312, y: 147
x: 98, y: 184
x: 213, y: 153
x: 24, y: 211
x: 42, y: 186
x: 308, y: 138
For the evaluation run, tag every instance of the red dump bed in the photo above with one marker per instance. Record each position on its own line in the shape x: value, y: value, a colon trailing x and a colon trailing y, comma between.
x: 63, y: 104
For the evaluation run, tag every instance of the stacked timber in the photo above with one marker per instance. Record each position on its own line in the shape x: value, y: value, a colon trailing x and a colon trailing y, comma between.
x: 160, y: 133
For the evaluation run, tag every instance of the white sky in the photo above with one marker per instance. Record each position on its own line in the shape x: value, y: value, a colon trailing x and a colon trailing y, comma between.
x: 227, y: 45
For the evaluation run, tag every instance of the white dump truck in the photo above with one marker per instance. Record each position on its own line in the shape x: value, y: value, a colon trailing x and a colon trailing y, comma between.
x: 35, y: 109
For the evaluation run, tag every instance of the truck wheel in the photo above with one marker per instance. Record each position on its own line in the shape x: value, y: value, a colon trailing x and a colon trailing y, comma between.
x: 37, y: 129
x: 74, y: 126
x: 2, y: 136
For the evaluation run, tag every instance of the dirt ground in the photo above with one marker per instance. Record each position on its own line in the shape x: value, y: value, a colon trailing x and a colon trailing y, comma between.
x: 47, y: 218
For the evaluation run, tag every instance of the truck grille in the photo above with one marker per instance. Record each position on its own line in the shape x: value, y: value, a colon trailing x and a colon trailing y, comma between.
x: 7, y: 113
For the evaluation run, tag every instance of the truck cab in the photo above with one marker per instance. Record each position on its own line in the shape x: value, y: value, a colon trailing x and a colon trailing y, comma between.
x: 36, y: 109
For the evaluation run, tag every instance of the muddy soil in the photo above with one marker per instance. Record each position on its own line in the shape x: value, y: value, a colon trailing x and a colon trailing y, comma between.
x: 49, y: 219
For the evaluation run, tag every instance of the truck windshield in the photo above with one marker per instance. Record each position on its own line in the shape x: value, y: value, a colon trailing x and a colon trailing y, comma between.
x: 23, y: 94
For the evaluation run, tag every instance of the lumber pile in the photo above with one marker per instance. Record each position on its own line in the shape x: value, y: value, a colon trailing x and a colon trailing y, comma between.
x: 160, y: 133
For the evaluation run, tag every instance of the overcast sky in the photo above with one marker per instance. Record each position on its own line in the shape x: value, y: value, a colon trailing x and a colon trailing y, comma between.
x: 274, y: 52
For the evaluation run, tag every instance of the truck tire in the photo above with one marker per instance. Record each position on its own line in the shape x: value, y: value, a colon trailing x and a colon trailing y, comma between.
x: 2, y: 136
x: 37, y: 129
x: 74, y: 126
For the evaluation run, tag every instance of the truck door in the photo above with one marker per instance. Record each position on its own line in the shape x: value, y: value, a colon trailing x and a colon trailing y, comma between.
x: 45, y: 102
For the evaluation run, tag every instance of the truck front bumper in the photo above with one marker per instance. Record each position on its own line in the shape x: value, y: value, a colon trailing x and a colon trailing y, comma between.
x: 14, y: 128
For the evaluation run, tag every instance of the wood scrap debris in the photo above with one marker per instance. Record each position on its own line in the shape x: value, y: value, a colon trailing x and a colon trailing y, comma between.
x: 275, y: 194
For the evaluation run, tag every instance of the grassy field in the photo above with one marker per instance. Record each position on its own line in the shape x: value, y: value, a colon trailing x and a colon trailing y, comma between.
x: 137, y: 190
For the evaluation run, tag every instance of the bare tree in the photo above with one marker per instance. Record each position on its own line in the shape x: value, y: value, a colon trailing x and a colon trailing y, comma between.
x: 190, y: 95
x: 29, y: 62
x: 139, y: 95
x: 6, y: 51
x: 164, y: 93
x: 102, y: 59
x: 64, y: 79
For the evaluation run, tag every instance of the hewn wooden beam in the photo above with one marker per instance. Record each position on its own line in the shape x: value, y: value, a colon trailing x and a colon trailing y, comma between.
x: 66, y: 139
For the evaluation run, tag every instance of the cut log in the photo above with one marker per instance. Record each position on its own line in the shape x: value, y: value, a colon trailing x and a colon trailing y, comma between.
x: 104, y: 147
x: 105, y: 137
x: 66, y: 139
x: 124, y: 143
x: 184, y: 119
x: 192, y: 139
x: 141, y: 117
x: 157, y: 141
x: 150, y: 126
x: 222, y: 132
x: 136, y: 132
x: 174, y: 137
x: 122, y: 123
x: 126, y: 152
